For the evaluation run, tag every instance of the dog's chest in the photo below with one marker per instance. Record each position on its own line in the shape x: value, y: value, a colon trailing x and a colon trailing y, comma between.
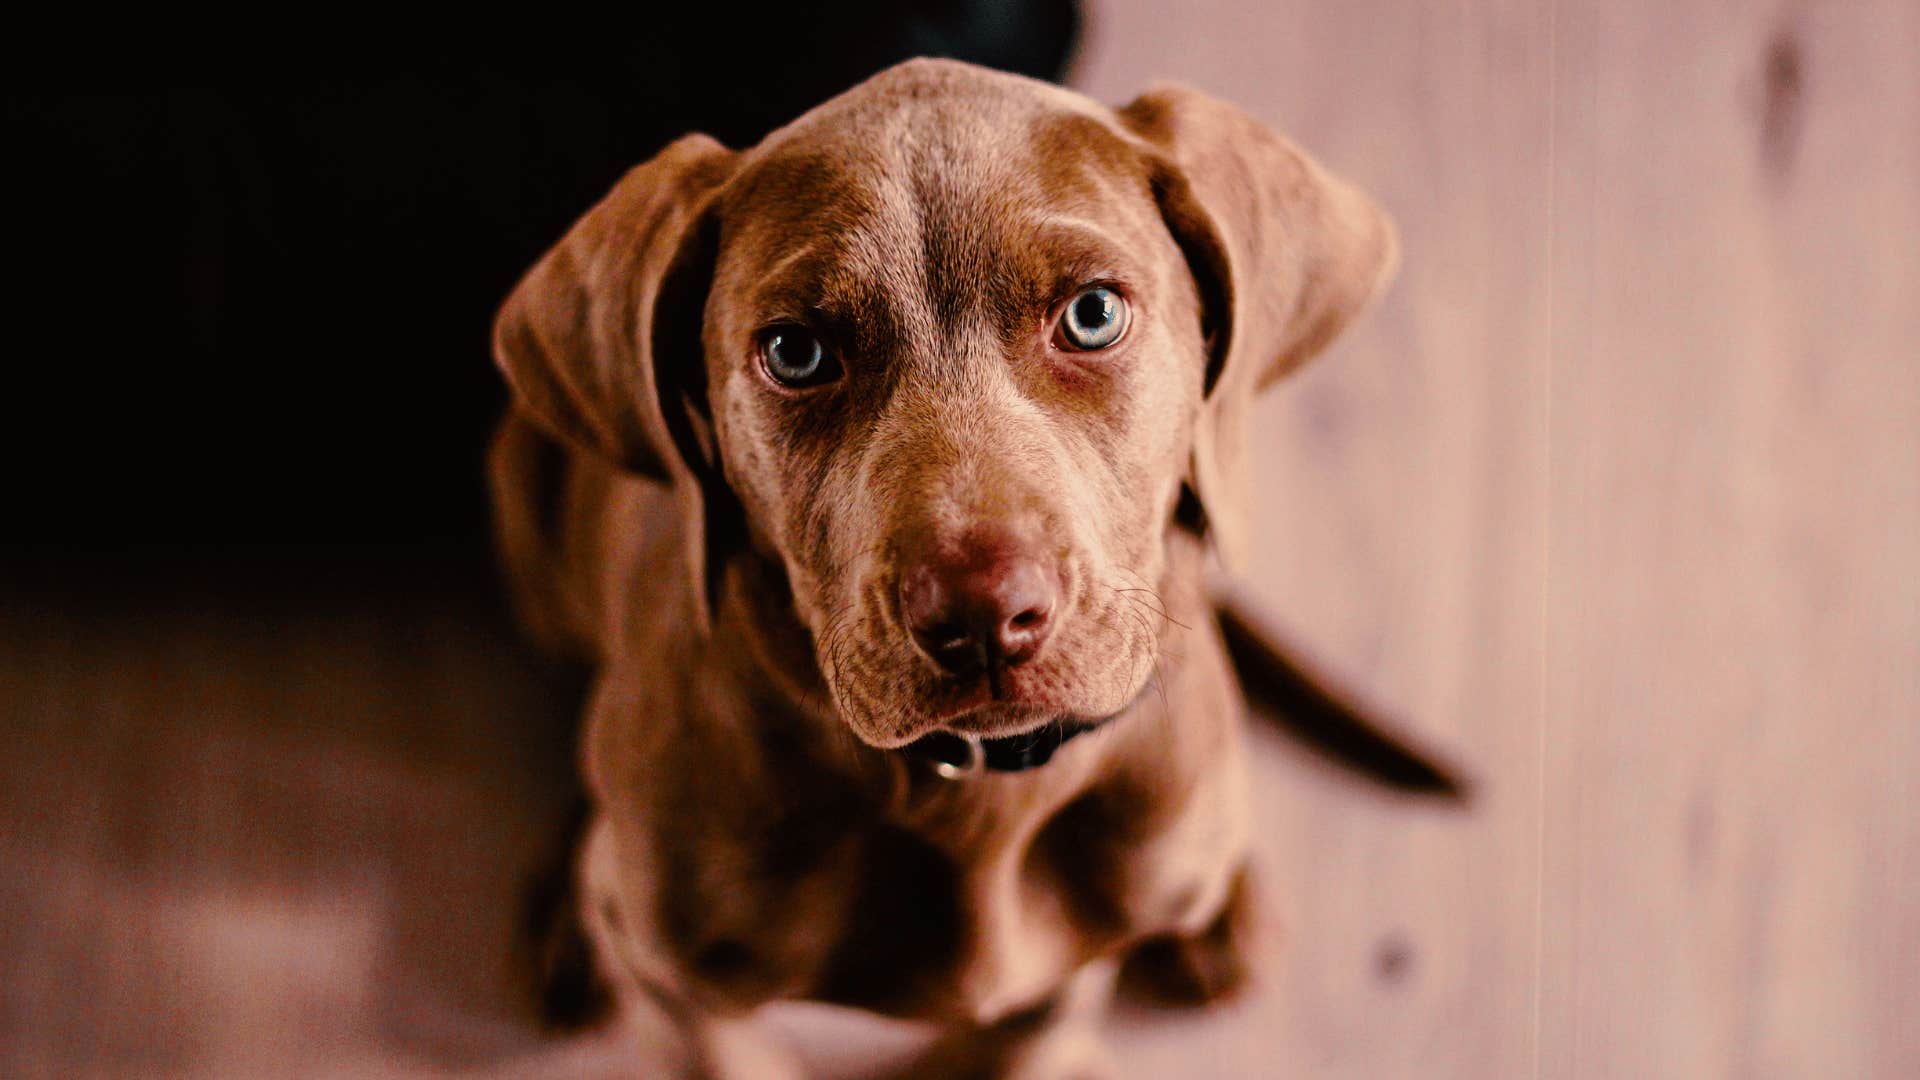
x: 978, y: 904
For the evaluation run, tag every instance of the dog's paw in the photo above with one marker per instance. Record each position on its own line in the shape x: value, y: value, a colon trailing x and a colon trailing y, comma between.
x: 1183, y: 973
x: 1211, y: 966
x: 1078, y: 1054
x: 569, y: 992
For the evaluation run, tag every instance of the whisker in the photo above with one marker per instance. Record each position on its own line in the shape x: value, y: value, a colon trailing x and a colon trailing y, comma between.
x: 1158, y: 611
x: 1152, y: 656
x: 1147, y: 587
x: 1155, y: 606
x: 1162, y: 615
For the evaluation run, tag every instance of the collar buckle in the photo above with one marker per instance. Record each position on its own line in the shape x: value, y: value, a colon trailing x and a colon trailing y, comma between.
x: 973, y: 765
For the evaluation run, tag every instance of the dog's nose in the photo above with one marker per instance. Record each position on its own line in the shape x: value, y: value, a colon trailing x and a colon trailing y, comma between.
x: 987, y: 604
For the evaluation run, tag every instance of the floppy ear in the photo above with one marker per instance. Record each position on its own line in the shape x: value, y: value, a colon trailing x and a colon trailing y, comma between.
x: 1284, y: 254
x: 601, y: 340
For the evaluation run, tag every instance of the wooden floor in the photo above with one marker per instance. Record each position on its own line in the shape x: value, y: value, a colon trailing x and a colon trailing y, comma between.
x: 264, y: 820
x: 1619, y: 492
x: 1617, y: 497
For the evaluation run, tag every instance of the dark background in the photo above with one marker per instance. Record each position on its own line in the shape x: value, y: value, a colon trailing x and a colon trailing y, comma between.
x: 255, y: 268
x: 277, y: 775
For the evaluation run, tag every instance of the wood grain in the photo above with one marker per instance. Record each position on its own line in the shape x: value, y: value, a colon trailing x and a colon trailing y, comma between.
x: 1619, y: 491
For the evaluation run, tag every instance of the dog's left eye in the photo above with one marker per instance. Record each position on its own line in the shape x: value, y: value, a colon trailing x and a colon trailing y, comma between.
x: 1094, y: 319
x: 796, y: 358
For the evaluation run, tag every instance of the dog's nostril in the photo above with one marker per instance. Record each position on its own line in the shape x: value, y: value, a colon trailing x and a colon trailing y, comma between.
x: 946, y: 637
x: 989, y: 604
x: 1023, y: 596
x: 1020, y: 636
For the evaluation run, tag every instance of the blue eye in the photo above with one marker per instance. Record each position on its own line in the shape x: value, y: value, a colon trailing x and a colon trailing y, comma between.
x: 1094, y: 319
x: 796, y: 358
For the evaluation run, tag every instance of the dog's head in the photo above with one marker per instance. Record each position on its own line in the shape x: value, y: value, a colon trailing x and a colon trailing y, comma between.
x: 957, y: 349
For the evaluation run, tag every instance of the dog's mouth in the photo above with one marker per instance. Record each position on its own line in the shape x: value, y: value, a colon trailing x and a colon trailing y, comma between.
x: 959, y: 755
x: 892, y: 696
x: 985, y: 710
x: 1004, y: 702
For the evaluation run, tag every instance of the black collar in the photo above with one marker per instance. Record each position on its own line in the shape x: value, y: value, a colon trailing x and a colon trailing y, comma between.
x: 957, y: 757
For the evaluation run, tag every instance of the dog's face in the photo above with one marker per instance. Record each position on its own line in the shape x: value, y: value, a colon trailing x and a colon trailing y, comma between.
x: 950, y: 347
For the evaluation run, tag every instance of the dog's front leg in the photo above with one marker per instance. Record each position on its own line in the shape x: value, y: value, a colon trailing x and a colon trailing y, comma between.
x: 659, y: 1033
x: 1204, y: 967
x: 676, y: 1036
x: 1057, y: 1040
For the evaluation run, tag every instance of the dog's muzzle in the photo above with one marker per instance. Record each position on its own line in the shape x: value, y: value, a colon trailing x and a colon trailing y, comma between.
x: 962, y: 757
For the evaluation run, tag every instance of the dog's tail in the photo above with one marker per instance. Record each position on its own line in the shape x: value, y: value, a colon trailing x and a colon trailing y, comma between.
x: 1312, y: 710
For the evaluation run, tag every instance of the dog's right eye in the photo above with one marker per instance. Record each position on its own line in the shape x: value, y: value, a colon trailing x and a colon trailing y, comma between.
x: 796, y: 358
x: 1092, y: 321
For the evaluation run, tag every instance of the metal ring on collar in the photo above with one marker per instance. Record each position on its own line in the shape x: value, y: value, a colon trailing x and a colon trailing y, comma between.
x: 975, y: 764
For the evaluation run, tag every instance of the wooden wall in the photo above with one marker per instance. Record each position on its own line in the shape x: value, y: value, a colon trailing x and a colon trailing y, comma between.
x: 1617, y: 493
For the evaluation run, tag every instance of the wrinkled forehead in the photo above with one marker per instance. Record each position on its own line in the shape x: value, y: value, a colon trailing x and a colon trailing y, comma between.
x: 933, y: 207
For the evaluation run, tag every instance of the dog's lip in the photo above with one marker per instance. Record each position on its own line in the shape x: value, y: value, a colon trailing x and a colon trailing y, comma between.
x: 957, y: 756
x: 981, y: 721
x: 998, y: 720
x: 978, y: 711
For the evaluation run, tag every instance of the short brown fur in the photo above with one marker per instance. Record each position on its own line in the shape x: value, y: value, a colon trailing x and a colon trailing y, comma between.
x: 726, y: 552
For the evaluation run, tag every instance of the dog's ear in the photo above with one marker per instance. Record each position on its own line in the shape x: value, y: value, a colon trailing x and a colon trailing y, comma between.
x: 601, y: 340
x: 1284, y: 254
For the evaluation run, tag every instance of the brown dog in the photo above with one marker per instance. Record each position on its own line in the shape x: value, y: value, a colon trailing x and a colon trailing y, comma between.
x: 872, y: 468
